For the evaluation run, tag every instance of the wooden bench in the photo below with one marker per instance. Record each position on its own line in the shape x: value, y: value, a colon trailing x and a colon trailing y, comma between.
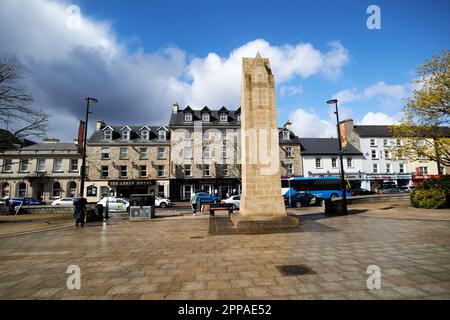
x: 212, y: 207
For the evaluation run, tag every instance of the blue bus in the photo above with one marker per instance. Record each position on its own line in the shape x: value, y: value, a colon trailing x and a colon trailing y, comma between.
x: 322, y: 187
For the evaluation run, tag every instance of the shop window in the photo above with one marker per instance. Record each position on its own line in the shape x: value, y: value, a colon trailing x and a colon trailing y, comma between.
x: 104, y: 191
x: 72, y: 189
x: 91, y: 191
x: 22, y: 189
x: 56, y: 190
x: 5, y: 190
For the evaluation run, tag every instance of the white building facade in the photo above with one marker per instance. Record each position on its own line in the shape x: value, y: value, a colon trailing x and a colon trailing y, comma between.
x: 381, y: 169
x: 320, y: 157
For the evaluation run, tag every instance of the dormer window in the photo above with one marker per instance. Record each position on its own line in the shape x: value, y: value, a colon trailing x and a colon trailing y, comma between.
x: 145, y: 134
x: 107, y: 135
x: 286, y: 135
x: 205, y: 117
x: 238, y: 117
x: 125, y: 134
x: 188, y: 117
x: 223, y: 117
x: 162, y: 134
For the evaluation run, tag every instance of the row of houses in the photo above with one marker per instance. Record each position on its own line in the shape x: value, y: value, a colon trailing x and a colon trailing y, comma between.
x: 197, y: 149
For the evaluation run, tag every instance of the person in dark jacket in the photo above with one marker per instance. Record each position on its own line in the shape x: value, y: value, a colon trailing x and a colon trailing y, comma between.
x: 80, y: 211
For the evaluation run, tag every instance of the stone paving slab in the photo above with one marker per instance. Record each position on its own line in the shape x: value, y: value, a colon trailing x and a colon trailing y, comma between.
x: 179, y: 259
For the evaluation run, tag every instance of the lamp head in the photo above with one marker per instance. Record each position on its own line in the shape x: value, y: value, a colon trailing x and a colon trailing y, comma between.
x: 332, y: 101
x: 91, y: 100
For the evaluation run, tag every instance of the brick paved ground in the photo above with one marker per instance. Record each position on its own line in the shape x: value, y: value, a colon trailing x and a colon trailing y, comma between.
x: 179, y: 259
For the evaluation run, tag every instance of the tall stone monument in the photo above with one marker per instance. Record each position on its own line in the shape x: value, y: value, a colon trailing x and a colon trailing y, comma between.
x: 261, y: 198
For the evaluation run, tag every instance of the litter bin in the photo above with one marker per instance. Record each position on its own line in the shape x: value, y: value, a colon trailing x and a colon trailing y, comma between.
x: 333, y: 207
x: 142, y: 206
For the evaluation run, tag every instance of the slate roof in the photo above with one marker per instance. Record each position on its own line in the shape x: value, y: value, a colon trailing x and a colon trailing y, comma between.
x: 52, y: 147
x: 9, y: 142
x: 293, y: 139
x: 177, y: 119
x: 97, y: 136
x: 374, y: 131
x: 325, y: 146
x: 379, y: 131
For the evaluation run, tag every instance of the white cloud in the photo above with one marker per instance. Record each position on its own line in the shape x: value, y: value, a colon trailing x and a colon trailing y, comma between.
x: 385, y: 94
x: 216, y: 80
x: 290, y: 90
x: 345, y: 96
x: 377, y: 118
x: 64, y: 65
x: 308, y: 124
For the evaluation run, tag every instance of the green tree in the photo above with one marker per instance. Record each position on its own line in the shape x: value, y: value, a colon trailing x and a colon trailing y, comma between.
x: 424, y: 130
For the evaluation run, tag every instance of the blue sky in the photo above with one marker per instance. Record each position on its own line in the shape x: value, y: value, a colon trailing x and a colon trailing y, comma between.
x: 371, y: 70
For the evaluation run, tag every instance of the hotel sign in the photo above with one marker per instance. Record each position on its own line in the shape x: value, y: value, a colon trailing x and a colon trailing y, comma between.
x: 131, y: 183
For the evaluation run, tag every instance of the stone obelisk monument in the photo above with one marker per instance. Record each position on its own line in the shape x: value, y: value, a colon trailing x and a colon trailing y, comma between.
x: 261, y: 198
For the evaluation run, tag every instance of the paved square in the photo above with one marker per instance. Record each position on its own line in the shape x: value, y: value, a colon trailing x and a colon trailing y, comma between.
x: 180, y: 259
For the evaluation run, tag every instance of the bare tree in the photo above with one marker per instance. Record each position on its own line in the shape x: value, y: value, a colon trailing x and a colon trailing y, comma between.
x: 16, y: 111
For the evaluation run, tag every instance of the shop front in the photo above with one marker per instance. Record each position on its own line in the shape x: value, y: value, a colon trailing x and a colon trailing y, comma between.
x: 379, y: 182
x: 183, y: 189
x: 418, y: 179
x: 125, y: 188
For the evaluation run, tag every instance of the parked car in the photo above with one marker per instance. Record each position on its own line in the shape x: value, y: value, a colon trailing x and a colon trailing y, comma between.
x: 64, y: 202
x: 361, y: 192
x: 303, y: 199
x: 24, y: 201
x: 391, y: 191
x: 162, y: 202
x: 204, y: 197
x: 115, y: 204
x: 407, y: 189
x: 234, y: 200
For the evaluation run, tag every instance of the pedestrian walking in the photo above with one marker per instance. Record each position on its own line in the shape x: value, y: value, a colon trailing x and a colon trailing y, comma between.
x: 194, y: 203
x: 80, y: 211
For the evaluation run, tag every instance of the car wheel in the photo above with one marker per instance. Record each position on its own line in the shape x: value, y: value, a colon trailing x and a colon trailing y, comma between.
x: 163, y: 205
x: 298, y: 204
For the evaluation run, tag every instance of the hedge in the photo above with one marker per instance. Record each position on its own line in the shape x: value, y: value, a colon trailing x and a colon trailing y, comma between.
x: 429, y: 198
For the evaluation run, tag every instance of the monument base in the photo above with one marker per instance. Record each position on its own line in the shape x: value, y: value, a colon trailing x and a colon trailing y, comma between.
x: 265, y: 223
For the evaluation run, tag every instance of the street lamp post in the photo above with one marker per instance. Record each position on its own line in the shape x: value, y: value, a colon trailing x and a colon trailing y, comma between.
x: 343, y: 184
x: 83, y: 164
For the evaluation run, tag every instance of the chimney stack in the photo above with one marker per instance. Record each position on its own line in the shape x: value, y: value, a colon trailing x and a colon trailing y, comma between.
x: 175, y: 108
x: 100, y: 124
x: 288, y: 125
